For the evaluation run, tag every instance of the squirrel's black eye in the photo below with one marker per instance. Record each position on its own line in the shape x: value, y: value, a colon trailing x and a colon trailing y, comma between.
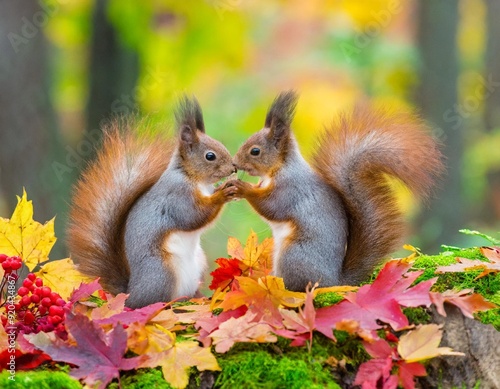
x: 255, y: 151
x: 210, y: 156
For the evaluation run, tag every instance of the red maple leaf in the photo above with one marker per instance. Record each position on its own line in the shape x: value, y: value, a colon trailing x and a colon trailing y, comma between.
x: 408, y: 371
x: 24, y: 361
x: 380, y: 301
x: 85, y: 291
x: 127, y: 317
x: 376, y: 373
x: 98, y: 355
x: 225, y: 273
x: 299, y: 326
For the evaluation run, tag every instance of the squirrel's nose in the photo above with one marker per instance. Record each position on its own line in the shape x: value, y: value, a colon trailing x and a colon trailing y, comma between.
x: 235, y: 169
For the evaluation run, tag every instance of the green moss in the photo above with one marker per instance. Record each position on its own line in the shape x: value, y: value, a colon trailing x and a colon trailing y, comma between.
x: 418, y: 315
x: 182, y: 304
x: 327, y: 299
x: 44, y: 379
x: 141, y: 379
x: 217, y: 311
x: 348, y: 348
x: 490, y: 317
x: 429, y: 263
x: 278, y: 365
x: 96, y: 300
x: 488, y: 286
x: 260, y: 369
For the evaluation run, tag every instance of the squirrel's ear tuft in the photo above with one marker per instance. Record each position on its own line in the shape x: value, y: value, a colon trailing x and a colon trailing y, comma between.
x: 282, y: 109
x: 280, y: 115
x: 189, y: 113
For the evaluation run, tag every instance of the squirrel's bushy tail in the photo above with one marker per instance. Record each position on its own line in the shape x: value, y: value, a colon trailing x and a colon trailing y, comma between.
x: 357, y: 153
x: 125, y: 168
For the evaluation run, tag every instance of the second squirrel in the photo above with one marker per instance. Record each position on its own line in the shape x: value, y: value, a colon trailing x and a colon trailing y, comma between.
x: 139, y: 210
x: 334, y: 221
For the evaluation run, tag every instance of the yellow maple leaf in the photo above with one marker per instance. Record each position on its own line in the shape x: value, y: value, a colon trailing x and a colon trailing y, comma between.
x: 62, y: 276
x: 275, y: 287
x: 154, y: 336
x: 149, y: 338
x: 234, y: 248
x: 258, y: 291
x: 22, y: 236
x: 423, y: 343
x: 177, y: 360
x: 181, y: 357
x: 256, y: 253
x: 258, y: 257
x: 218, y: 296
x: 335, y: 289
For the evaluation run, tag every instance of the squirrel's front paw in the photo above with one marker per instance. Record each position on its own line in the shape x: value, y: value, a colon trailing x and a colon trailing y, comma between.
x: 241, y: 187
x: 230, y: 192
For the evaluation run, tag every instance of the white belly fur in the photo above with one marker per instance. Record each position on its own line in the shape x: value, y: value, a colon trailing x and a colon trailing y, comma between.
x: 188, y: 260
x: 281, y: 231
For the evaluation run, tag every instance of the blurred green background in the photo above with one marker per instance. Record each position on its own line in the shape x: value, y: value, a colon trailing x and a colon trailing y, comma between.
x: 67, y: 65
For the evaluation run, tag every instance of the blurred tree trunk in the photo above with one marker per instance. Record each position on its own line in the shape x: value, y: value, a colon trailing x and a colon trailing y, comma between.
x: 437, y: 98
x: 114, y: 70
x: 491, y: 207
x: 29, y: 137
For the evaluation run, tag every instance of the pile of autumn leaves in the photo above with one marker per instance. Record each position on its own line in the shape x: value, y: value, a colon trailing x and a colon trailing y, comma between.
x: 248, y: 305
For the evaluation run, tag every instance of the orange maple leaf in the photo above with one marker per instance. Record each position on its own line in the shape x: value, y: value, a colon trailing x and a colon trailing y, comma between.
x: 467, y: 302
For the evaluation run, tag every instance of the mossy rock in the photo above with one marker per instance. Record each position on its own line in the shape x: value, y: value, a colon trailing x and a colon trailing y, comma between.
x: 328, y: 365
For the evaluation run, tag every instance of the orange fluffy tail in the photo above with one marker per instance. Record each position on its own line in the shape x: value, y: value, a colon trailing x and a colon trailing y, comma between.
x: 356, y: 154
x: 125, y: 168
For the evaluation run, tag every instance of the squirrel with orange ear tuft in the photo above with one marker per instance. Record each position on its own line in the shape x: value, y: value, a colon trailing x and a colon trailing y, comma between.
x: 335, y: 220
x: 139, y: 210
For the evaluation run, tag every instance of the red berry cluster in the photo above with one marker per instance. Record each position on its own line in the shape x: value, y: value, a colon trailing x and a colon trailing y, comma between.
x: 38, y: 309
x: 10, y: 264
